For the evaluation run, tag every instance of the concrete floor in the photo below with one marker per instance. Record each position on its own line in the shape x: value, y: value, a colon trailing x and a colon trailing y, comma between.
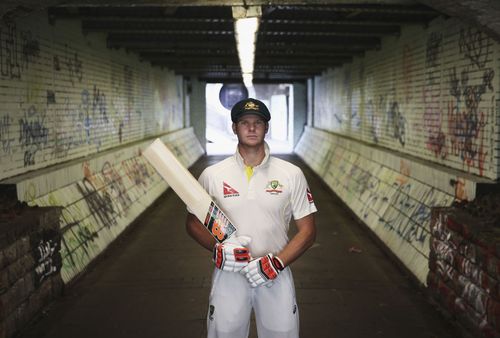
x: 154, y: 282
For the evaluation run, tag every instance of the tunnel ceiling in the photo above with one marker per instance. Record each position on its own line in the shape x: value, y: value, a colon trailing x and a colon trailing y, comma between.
x: 297, y: 39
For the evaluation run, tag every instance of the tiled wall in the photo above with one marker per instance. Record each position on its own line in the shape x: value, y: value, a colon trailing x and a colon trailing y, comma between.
x: 74, y: 117
x: 66, y: 96
x: 408, y: 127
x: 431, y: 93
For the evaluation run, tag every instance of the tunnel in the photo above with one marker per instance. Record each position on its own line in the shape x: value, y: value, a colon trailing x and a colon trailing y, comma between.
x: 388, y: 107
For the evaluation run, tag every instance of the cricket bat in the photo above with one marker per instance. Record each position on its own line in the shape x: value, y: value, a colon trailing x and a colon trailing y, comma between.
x: 189, y: 190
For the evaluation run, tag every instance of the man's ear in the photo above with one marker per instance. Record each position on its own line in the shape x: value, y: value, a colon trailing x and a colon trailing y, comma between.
x: 234, y: 128
x: 267, y: 127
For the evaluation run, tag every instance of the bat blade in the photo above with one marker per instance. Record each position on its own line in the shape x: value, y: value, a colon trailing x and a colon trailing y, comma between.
x: 189, y: 190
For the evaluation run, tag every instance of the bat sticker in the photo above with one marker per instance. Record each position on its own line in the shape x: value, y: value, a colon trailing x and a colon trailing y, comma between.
x: 218, y: 224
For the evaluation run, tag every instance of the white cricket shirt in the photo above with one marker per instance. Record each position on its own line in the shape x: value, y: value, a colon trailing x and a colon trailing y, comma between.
x: 262, y: 206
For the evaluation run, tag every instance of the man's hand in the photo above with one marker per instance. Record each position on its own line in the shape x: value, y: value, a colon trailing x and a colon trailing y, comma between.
x: 263, y: 270
x: 232, y: 255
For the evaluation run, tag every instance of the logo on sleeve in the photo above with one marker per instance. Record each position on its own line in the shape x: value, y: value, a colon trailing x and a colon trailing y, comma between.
x: 309, y: 196
x: 274, y: 187
x: 229, y: 191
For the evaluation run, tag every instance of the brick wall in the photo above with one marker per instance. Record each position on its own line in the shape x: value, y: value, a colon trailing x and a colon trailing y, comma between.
x: 30, y: 261
x: 464, y: 264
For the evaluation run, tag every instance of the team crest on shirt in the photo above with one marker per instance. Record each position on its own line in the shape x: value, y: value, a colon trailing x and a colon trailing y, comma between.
x: 229, y: 191
x: 274, y: 187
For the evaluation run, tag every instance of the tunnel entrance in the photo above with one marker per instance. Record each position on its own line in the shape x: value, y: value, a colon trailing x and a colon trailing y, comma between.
x: 278, y: 98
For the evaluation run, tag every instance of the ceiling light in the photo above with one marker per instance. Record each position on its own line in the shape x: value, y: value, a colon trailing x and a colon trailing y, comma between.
x: 246, y: 26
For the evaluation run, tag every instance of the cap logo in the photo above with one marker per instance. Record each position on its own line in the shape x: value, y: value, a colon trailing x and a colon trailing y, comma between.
x: 251, y: 106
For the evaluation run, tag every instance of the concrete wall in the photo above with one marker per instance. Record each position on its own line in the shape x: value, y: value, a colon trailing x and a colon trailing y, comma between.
x: 407, y: 128
x: 299, y: 110
x: 198, y: 108
x: 74, y: 119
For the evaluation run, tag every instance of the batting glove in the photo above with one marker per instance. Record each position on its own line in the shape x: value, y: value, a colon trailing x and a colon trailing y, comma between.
x: 232, y: 255
x: 263, y: 270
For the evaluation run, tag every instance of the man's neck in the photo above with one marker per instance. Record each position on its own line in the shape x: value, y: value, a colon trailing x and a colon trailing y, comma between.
x: 252, y: 156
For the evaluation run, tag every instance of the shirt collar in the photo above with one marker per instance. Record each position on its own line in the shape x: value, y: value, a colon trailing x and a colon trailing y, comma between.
x: 241, y: 162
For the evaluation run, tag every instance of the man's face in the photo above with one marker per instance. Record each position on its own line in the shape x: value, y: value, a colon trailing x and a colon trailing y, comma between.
x: 250, y: 129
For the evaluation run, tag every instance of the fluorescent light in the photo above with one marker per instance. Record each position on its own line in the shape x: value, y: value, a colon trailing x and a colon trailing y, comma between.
x: 246, y: 37
x: 247, y: 79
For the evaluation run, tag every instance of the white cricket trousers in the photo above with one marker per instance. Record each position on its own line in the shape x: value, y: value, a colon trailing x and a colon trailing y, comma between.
x: 232, y: 299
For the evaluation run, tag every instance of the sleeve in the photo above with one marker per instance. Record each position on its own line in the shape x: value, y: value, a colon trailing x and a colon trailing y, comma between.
x: 301, y: 198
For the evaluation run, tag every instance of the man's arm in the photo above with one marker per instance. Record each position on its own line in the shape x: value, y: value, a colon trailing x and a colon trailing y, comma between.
x: 199, y: 233
x: 301, y: 241
x: 263, y: 270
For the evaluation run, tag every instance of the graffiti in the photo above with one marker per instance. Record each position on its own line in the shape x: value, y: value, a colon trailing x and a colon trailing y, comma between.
x: 85, y: 113
x: 437, y: 144
x: 45, y: 266
x: 115, y: 184
x: 73, y: 65
x: 397, y: 122
x: 474, y: 45
x: 30, y: 48
x: 9, y: 58
x: 101, y: 206
x: 466, y: 126
x: 33, y: 134
x: 93, y: 118
x: 433, y: 49
x: 488, y: 76
x: 407, y: 217
x: 46, y: 247
x: 473, y: 295
x: 373, y: 121
x: 5, y: 138
x: 71, y: 128
x: 472, y: 97
x: 464, y: 129
x: 99, y: 103
x: 17, y: 51
x: 454, y: 82
x: 443, y: 252
x: 77, y: 242
x: 96, y: 180
x: 402, y: 200
x: 433, y: 120
x: 373, y: 197
x: 137, y: 172
x: 355, y: 118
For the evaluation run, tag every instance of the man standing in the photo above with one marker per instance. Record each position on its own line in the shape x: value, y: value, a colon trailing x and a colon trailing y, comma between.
x: 260, y: 194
